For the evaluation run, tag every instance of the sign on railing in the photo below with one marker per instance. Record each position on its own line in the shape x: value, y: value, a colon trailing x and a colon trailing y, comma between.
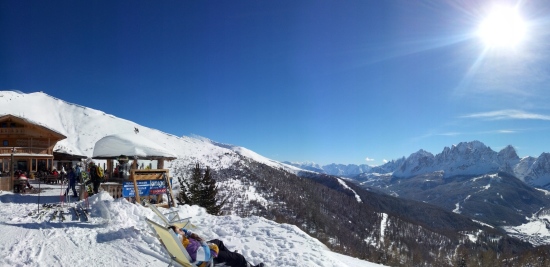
x: 145, y: 188
x: 149, y: 182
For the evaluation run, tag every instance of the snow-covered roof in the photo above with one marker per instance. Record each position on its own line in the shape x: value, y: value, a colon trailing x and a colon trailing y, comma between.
x: 131, y: 145
x: 27, y: 120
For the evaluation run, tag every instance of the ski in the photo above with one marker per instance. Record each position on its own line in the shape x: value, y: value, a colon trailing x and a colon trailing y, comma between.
x: 45, y: 210
x: 85, y: 212
x: 75, y: 209
x: 42, y: 214
x: 54, y: 215
x: 61, y: 215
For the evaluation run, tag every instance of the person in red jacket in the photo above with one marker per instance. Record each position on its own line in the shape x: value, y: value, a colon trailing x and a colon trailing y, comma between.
x: 23, y: 176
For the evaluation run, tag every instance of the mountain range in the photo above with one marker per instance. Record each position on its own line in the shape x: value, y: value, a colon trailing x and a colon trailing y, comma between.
x: 469, y: 178
x: 465, y: 158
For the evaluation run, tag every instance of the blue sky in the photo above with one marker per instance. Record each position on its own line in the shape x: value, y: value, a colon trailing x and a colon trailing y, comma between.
x: 323, y: 81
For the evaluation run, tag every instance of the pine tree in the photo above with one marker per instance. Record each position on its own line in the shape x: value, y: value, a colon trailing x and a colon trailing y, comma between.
x: 182, y: 197
x: 195, y: 186
x: 200, y: 190
x: 209, y: 193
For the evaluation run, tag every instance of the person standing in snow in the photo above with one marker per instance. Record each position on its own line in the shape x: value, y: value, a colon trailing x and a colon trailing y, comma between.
x: 94, y: 178
x: 124, y: 167
x: 199, y: 250
x: 77, y: 172
x: 63, y: 173
x: 72, y: 182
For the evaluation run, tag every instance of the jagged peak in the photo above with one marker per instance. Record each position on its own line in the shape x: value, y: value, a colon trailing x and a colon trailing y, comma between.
x: 421, y: 153
x: 471, y: 146
x: 509, y: 152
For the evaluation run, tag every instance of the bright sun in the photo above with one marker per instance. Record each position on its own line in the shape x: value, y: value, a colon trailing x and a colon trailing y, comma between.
x: 504, y: 27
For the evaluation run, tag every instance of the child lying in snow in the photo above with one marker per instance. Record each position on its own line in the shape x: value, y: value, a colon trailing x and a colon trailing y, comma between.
x: 199, y: 250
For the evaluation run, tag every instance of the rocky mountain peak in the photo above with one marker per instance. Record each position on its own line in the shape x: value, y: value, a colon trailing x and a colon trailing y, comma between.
x: 539, y: 172
x: 508, y: 154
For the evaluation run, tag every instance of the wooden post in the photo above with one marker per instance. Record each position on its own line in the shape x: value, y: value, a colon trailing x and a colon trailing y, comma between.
x: 109, y: 170
x: 160, y: 164
x: 136, y: 189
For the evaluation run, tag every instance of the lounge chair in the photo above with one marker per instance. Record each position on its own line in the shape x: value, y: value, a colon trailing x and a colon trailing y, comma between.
x: 178, y: 254
x: 175, y: 220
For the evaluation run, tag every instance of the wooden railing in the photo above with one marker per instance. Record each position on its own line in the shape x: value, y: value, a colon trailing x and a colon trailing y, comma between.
x: 24, y: 150
x: 12, y: 131
x: 114, y: 190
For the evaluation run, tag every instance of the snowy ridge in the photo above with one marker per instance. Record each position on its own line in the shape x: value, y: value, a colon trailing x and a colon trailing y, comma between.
x: 85, y: 126
x: 343, y: 170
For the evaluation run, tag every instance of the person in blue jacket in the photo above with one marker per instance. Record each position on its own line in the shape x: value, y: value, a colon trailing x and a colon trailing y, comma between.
x: 72, y: 182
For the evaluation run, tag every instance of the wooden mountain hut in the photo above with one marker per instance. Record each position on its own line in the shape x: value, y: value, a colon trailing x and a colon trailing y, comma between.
x: 25, y: 146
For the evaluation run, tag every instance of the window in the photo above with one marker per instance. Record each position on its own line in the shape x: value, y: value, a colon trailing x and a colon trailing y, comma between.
x: 42, y: 165
x: 5, y: 143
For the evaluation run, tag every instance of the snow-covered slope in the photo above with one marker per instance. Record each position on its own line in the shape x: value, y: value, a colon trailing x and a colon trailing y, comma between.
x: 117, y: 235
x: 85, y: 126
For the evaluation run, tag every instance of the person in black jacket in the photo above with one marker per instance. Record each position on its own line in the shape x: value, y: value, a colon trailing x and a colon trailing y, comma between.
x: 94, y: 178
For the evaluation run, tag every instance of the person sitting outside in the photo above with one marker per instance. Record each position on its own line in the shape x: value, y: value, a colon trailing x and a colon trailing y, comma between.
x: 23, y: 176
x: 196, y: 248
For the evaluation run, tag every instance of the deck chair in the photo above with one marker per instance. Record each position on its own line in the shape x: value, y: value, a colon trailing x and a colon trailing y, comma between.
x: 178, y: 254
x: 175, y: 220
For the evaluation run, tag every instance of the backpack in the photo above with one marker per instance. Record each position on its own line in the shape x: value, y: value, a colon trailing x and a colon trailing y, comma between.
x: 100, y: 173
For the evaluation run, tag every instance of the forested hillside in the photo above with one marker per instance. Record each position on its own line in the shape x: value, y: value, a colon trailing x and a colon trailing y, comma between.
x: 377, y: 227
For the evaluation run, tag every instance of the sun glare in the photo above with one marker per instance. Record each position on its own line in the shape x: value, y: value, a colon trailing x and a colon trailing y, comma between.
x: 504, y: 27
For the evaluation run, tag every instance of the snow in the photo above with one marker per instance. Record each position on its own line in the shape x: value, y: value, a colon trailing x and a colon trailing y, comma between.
x: 536, y: 231
x: 85, y: 126
x: 383, y: 224
x: 546, y: 192
x: 117, y: 235
x: 473, y: 237
x: 129, y: 144
x: 457, y: 208
x: 357, y: 197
